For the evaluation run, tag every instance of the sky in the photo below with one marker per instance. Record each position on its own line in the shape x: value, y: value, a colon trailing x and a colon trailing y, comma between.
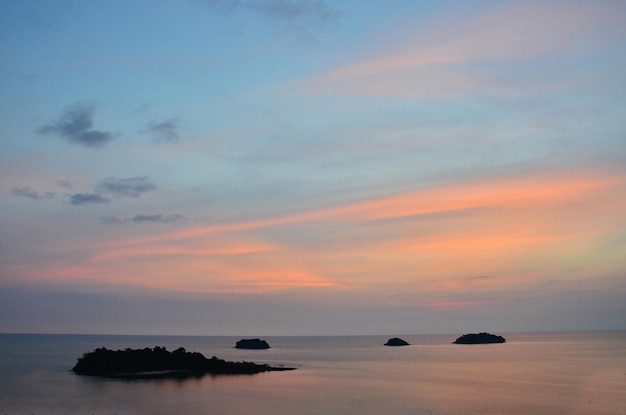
x: 312, y: 167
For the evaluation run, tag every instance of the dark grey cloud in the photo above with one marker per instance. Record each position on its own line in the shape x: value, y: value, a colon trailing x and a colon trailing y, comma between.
x: 104, y: 191
x: 165, y: 131
x: 294, y: 10
x: 285, y: 10
x: 85, y: 199
x: 161, y: 218
x: 130, y: 187
x: 143, y: 218
x: 75, y: 125
x: 29, y: 193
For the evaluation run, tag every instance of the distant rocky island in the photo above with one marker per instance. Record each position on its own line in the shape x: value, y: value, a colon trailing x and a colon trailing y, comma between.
x: 395, y: 341
x: 160, y: 363
x: 479, y: 338
x: 252, y: 344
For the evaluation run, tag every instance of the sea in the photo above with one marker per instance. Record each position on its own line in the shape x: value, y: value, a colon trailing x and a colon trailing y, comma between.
x: 531, y: 374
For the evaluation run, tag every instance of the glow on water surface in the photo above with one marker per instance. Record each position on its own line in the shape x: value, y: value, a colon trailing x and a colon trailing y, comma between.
x: 547, y: 373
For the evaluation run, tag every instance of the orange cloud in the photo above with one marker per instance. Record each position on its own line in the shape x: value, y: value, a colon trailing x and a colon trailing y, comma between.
x: 522, y: 228
x: 175, y: 251
x: 521, y: 191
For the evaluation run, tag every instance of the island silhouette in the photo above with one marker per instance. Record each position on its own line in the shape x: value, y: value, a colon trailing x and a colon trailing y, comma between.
x: 479, y: 338
x: 252, y: 344
x: 396, y: 341
x: 158, y: 362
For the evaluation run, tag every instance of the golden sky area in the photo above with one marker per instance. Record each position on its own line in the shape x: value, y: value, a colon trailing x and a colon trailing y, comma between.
x: 516, y: 229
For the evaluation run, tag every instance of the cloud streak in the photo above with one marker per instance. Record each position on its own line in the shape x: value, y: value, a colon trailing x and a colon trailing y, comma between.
x: 129, y: 187
x: 284, y: 10
x: 158, y: 218
x: 517, y: 229
x: 165, y: 131
x: 444, y: 60
x: 503, y: 192
x: 87, y: 199
x: 144, y: 218
x: 105, y: 191
x: 75, y: 125
x: 29, y: 193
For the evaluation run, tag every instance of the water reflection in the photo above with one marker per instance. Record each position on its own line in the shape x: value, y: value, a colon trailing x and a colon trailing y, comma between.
x: 538, y: 374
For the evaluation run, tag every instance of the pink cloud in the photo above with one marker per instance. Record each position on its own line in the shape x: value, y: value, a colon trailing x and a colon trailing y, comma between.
x: 523, y: 228
x: 432, y: 63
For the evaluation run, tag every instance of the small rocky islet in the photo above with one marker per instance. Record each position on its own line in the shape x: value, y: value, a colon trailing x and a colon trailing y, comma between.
x: 396, y: 341
x: 256, y: 344
x: 158, y: 362
x: 479, y: 338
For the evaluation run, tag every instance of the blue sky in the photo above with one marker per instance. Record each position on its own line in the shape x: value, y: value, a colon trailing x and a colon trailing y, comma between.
x: 311, y: 167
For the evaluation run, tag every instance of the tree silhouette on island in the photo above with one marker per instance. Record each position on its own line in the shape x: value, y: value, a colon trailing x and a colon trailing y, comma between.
x: 160, y: 363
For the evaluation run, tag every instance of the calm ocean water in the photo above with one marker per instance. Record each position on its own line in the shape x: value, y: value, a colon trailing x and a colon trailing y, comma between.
x: 540, y: 374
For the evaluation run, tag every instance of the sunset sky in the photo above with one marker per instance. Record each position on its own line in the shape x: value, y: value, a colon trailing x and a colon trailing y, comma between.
x: 295, y: 167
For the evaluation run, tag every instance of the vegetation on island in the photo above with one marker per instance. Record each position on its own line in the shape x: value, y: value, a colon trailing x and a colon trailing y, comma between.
x: 479, y: 338
x: 158, y: 362
x: 252, y: 344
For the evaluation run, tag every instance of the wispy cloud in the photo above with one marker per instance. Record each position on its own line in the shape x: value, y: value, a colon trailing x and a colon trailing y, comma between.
x: 294, y: 9
x: 75, y: 125
x: 314, y: 11
x: 144, y: 218
x: 129, y: 187
x: 466, y: 196
x: 104, y: 191
x: 447, y: 59
x: 29, y: 193
x: 164, y: 131
x: 86, y: 199
x: 486, y: 235
x: 159, y: 218
x: 112, y: 187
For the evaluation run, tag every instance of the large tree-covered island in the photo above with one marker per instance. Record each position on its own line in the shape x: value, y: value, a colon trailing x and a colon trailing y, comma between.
x: 158, y: 362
